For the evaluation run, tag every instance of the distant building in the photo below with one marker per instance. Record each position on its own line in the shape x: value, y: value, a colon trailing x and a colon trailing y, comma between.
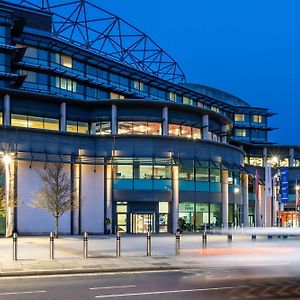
x: 144, y: 148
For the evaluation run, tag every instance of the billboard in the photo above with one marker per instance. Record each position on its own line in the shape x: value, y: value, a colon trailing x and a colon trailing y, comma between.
x: 284, y: 185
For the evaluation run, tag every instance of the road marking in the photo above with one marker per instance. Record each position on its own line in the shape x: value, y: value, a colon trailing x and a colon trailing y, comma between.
x: 22, y: 293
x: 113, y: 287
x: 168, y: 292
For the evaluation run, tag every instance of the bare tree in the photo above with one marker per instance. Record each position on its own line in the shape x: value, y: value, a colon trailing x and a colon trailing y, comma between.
x: 56, y: 195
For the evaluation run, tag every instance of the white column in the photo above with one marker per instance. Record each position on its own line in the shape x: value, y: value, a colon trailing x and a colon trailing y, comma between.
x: 265, y: 154
x: 224, y: 134
x: 10, y: 197
x: 292, y: 158
x: 175, y: 200
x: 245, y: 194
x: 109, y: 191
x: 6, y: 118
x: 114, y: 119
x: 205, y: 125
x: 75, y: 174
x: 225, y: 198
x: 258, y: 206
x: 165, y: 127
x: 63, y: 117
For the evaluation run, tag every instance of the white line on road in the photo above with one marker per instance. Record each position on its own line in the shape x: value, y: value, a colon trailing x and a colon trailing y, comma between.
x: 113, y: 287
x: 22, y: 293
x: 168, y: 292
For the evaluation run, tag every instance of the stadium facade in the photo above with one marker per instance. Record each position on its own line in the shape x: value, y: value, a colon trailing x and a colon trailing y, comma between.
x: 143, y: 148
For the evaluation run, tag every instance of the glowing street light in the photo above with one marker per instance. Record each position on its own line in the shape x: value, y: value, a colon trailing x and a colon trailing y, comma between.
x: 236, y: 190
x: 7, y: 159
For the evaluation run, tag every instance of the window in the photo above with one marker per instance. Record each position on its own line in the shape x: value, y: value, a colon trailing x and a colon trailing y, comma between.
x: 240, y: 132
x: 257, y: 118
x: 185, y: 131
x: 216, y: 109
x: 163, y: 208
x: 101, y: 128
x: 2, y: 34
x: 138, y: 85
x: 116, y: 96
x: 186, y: 173
x: 239, y: 118
x: 256, y: 161
x: 123, y: 172
x: 187, y: 100
x: 172, y: 96
x: 64, y: 60
x: 150, y: 128
x: 34, y: 122
x: 162, y: 172
x: 75, y: 126
x: 202, y: 174
x: 66, y: 84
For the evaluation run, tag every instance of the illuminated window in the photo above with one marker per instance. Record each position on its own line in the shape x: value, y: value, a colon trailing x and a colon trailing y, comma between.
x: 150, y: 128
x: 174, y: 130
x: 64, y: 60
x: 138, y: 85
x: 239, y: 118
x: 256, y: 161
x: 187, y: 100
x: 116, y: 96
x: 257, y: 118
x: 80, y: 127
x: 216, y: 109
x: 66, y: 84
x: 172, y: 96
x: 184, y: 131
x: 101, y: 128
x: 240, y: 132
x: 34, y: 122
x: 200, y: 104
x: 1, y: 118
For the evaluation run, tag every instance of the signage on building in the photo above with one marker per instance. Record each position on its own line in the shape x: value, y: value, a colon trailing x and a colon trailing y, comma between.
x: 268, y: 179
x: 284, y: 185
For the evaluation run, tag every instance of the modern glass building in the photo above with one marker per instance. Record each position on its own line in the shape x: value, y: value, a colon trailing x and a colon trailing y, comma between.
x: 82, y: 87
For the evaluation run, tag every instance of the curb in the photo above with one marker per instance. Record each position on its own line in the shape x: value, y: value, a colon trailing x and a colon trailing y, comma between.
x: 91, y: 271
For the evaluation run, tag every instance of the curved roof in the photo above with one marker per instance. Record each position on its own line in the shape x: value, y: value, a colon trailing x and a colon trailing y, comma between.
x: 216, y: 94
x: 86, y: 25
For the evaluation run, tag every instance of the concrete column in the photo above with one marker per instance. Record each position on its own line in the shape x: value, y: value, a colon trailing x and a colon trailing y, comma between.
x: 165, y: 127
x: 6, y: 119
x: 10, y: 197
x: 258, y: 206
x: 114, y: 119
x: 175, y: 202
x: 225, y: 198
x: 245, y: 182
x: 109, y: 192
x: 63, y: 117
x: 265, y: 156
x: 292, y: 158
x: 76, y: 189
x: 205, y: 125
x: 224, y: 134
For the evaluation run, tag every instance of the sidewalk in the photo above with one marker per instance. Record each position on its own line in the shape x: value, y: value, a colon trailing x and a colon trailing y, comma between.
x: 33, y: 254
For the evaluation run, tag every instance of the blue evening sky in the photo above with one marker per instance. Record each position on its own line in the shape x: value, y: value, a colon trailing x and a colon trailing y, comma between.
x: 250, y: 48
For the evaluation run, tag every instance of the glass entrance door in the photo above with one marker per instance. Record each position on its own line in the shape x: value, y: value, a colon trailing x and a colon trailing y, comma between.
x: 141, y: 223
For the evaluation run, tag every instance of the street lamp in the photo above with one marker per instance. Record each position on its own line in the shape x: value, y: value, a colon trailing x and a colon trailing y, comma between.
x: 236, y: 190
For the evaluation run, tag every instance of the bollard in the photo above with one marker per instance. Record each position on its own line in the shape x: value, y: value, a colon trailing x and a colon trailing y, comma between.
x: 204, y: 239
x: 51, y: 245
x: 85, y: 245
x: 15, y: 242
x: 229, y: 237
x: 270, y: 237
x: 177, y: 243
x: 118, y: 245
x: 149, y: 243
x: 253, y: 237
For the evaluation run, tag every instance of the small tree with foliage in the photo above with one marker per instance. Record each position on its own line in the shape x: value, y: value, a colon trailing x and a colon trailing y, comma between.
x: 56, y: 195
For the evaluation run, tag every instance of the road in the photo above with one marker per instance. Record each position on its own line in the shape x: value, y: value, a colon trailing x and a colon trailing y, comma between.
x: 213, y: 283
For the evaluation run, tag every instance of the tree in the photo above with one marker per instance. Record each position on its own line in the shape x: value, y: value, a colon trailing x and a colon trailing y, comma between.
x: 56, y: 195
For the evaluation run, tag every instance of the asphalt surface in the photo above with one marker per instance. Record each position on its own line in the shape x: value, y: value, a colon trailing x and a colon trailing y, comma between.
x: 213, y: 283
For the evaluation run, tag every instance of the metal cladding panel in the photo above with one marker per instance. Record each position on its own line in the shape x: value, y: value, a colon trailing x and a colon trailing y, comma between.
x: 189, y: 118
x: 142, y: 196
x: 139, y: 113
x: 200, y: 197
x: 135, y: 207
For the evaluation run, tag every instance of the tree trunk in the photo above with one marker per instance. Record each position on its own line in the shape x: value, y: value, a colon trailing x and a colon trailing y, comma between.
x: 56, y: 227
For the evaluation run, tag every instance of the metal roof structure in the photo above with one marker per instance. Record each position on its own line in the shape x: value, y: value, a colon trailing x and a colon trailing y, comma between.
x: 86, y: 25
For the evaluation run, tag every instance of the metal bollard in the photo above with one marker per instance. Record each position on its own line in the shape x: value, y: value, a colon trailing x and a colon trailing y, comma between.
x: 177, y: 243
x: 253, y: 237
x: 15, y: 243
x: 118, y: 245
x: 270, y: 237
x: 229, y: 237
x: 85, y: 245
x: 149, y: 243
x: 51, y: 245
x: 204, y: 239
